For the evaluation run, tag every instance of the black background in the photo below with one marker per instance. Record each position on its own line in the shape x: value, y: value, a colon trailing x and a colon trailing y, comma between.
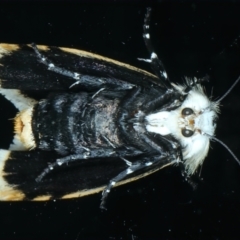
x: 192, y: 39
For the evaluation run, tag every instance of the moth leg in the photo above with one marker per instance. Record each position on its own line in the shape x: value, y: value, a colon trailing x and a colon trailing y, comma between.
x: 187, y: 177
x: 87, y: 154
x: 75, y: 157
x: 131, y: 169
x: 168, y: 96
x: 130, y: 97
x: 89, y: 81
x: 171, y: 149
x: 175, y: 149
x: 123, y: 153
x: 51, y: 66
x: 164, y: 145
x: 126, y: 161
x: 156, y: 63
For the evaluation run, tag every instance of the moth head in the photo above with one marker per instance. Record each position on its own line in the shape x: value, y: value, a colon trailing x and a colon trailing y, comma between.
x: 191, y: 124
x: 196, y: 122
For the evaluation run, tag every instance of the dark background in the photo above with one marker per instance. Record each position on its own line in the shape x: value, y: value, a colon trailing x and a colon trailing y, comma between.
x: 192, y: 39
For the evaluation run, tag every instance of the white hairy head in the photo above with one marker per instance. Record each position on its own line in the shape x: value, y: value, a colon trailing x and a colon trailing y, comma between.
x: 191, y: 124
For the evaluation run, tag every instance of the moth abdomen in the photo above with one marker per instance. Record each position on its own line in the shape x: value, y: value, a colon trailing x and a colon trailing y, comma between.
x: 75, y: 121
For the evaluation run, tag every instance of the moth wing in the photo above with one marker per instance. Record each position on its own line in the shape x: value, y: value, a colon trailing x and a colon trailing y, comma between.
x: 18, y: 171
x: 20, y: 68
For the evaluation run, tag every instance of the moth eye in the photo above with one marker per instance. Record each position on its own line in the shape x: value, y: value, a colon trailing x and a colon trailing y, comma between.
x: 187, y: 111
x: 186, y: 132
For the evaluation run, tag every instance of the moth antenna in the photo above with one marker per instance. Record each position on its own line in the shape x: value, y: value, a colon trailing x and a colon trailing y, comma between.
x: 224, y: 145
x: 229, y: 90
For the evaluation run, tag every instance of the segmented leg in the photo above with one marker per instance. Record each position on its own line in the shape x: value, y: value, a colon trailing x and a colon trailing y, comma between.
x: 187, y: 177
x: 159, y: 101
x: 156, y: 63
x: 174, y: 151
x: 51, y: 66
x: 164, y: 145
x: 114, y: 147
x: 75, y: 157
x: 90, y: 153
x: 83, y: 80
x: 130, y: 170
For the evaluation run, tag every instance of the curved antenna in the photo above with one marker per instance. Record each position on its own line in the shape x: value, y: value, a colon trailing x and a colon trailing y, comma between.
x: 224, y: 145
x: 216, y: 139
x: 229, y: 150
x: 229, y: 90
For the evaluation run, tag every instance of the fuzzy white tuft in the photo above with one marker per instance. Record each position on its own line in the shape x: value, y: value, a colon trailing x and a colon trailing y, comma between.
x: 194, y: 148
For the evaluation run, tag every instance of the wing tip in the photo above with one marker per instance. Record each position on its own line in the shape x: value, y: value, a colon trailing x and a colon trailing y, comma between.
x: 7, y: 191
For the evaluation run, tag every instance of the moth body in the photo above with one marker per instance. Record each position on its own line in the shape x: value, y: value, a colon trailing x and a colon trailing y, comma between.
x: 100, y: 124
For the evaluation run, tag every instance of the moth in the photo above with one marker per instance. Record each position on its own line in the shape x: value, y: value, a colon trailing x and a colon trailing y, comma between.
x: 100, y: 123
